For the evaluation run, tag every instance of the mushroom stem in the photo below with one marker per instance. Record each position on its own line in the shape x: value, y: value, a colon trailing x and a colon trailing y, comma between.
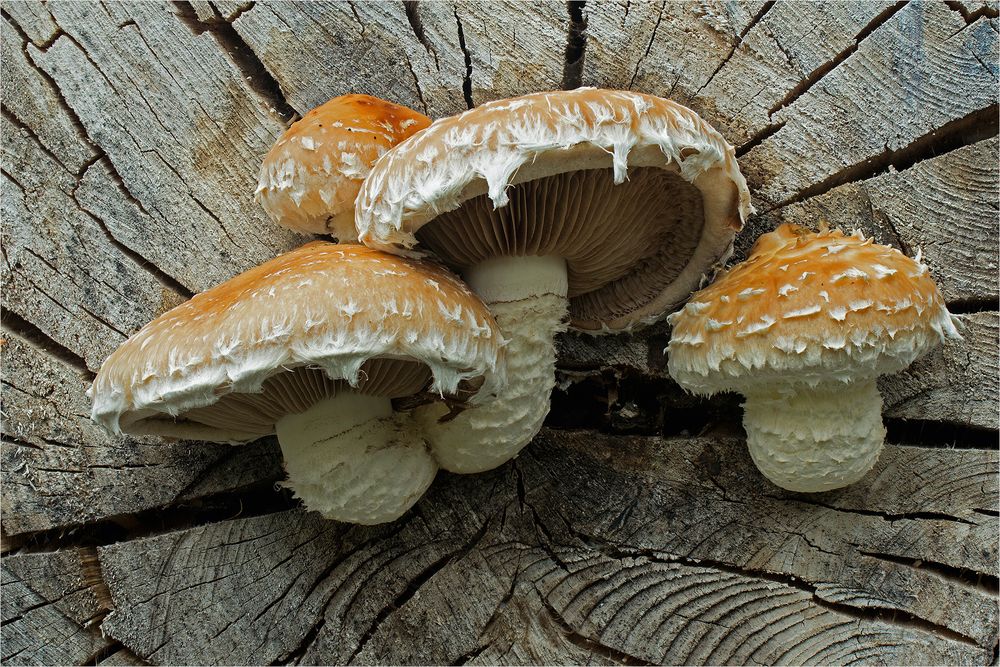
x: 815, y: 439
x: 527, y: 296
x: 351, y: 458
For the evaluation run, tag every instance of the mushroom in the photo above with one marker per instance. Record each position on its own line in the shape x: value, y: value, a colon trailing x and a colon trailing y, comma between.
x: 310, y: 177
x: 314, y: 346
x: 611, y: 206
x: 803, y: 329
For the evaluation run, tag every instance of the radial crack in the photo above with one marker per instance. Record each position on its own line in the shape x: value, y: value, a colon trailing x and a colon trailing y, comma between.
x: 241, y: 55
x: 758, y: 17
x: 649, y: 46
x: 813, y: 77
x: 29, y: 333
x: 467, y: 81
x: 975, y: 126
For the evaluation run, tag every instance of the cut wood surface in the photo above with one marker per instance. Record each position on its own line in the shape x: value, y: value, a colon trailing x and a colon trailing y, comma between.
x: 635, y: 529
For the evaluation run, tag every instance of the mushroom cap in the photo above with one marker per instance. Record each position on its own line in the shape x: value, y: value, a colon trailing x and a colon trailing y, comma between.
x: 806, y: 308
x: 281, y: 334
x: 632, y: 252
x: 310, y: 177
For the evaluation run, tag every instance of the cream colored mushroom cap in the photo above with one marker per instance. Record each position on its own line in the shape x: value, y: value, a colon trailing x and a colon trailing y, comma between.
x: 805, y: 308
x: 310, y: 177
x: 485, y: 150
x: 323, y: 306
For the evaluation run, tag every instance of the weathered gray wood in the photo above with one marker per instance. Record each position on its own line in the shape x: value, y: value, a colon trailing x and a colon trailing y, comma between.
x: 956, y: 383
x: 664, y: 550
x: 51, y: 605
x: 89, y: 306
x: 917, y: 72
x: 792, y: 44
x: 320, y: 50
x: 132, y: 135
x: 507, y: 49
x: 667, y: 48
x: 186, y: 139
x: 60, y: 470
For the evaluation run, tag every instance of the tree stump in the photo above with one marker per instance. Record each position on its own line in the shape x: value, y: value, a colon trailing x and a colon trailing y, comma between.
x: 635, y: 529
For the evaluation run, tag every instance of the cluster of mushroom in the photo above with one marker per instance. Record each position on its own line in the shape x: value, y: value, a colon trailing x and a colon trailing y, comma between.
x: 375, y: 365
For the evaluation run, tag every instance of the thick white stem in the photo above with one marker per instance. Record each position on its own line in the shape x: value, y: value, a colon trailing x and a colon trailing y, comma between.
x: 815, y: 439
x: 351, y: 458
x: 527, y: 296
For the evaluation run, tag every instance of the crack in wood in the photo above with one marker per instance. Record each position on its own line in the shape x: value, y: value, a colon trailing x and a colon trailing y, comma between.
x: 12, y: 118
x: 938, y: 434
x: 416, y: 84
x: 965, y: 131
x: 649, y: 46
x: 467, y: 81
x: 575, y: 54
x: 71, y: 114
x: 886, y: 516
x: 156, y: 272
x: 412, y: 10
x: 256, y: 500
x: 971, y: 17
x: 593, y: 646
x: 241, y: 55
x: 16, y: 325
x: 891, y: 616
x: 416, y: 583
x: 814, y: 77
x: 968, y: 578
x: 757, y: 18
x: 310, y: 636
x: 972, y: 305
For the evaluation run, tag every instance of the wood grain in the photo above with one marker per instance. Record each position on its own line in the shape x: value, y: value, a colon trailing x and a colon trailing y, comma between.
x: 663, y: 550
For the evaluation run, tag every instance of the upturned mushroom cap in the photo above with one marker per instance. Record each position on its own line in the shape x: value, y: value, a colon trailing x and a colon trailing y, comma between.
x: 638, y: 194
x: 230, y: 362
x: 808, y: 308
x: 310, y: 177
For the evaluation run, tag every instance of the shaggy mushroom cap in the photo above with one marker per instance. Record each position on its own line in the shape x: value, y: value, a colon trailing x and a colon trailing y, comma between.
x: 234, y: 360
x: 806, y: 308
x: 314, y: 346
x: 803, y: 329
x: 637, y: 194
x: 310, y: 177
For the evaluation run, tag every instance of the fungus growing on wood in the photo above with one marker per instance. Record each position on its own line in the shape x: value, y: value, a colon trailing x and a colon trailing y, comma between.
x: 611, y: 206
x: 314, y: 346
x: 803, y: 329
x: 310, y: 177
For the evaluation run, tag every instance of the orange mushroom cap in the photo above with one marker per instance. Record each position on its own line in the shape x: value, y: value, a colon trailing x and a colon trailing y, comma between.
x: 311, y: 176
x: 809, y: 307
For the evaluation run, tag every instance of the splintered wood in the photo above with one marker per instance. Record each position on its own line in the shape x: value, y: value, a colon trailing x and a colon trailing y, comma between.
x: 132, y: 137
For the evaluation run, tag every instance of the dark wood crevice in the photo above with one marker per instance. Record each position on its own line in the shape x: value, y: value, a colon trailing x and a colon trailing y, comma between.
x: 467, y: 80
x: 971, y: 128
x: 256, y: 500
x: 980, y: 581
x: 737, y: 42
x: 16, y: 325
x: 575, y: 54
x: 938, y: 434
x: 242, y: 56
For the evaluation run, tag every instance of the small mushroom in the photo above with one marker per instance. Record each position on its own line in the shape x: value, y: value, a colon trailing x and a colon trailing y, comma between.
x: 315, y: 346
x: 310, y: 177
x: 610, y: 206
x: 803, y: 329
